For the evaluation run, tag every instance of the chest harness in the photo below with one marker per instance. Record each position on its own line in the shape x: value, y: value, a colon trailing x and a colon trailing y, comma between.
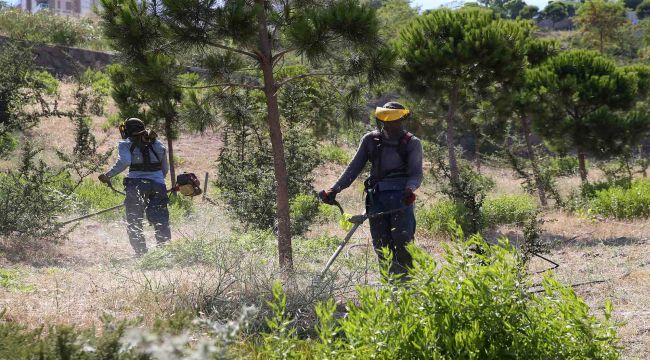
x: 145, y: 145
x: 375, y: 156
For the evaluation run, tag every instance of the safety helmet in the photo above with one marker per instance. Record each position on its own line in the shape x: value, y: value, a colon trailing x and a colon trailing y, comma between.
x: 392, y: 111
x: 132, y: 127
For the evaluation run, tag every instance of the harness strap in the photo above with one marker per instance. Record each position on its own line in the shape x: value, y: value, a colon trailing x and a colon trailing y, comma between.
x: 146, y: 150
x: 376, y: 155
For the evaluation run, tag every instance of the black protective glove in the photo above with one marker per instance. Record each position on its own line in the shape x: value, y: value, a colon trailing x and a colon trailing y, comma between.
x: 104, y: 178
x: 328, y: 196
x: 409, y: 197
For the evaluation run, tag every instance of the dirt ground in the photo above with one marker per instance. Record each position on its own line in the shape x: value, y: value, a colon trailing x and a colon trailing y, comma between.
x: 93, y: 273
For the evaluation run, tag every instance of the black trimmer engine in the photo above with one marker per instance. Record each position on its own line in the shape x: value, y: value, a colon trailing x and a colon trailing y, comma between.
x: 188, y: 184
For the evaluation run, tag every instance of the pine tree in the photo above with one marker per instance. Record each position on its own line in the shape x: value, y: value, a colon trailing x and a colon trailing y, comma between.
x: 596, y: 105
x: 451, y: 55
x: 147, y: 86
x: 244, y: 43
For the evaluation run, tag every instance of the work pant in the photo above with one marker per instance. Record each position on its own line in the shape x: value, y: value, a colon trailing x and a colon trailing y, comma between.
x: 393, y: 231
x: 146, y: 196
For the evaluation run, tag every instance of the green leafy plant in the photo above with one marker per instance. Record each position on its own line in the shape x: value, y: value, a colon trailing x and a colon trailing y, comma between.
x: 470, y: 306
x: 335, y: 154
x: 246, y: 179
x: 508, y: 209
x: 10, y: 280
x: 46, y: 27
x: 24, y: 93
x: 438, y: 216
x: 562, y: 166
x: 622, y: 202
x: 31, y: 199
x: 91, y: 196
x: 304, y: 211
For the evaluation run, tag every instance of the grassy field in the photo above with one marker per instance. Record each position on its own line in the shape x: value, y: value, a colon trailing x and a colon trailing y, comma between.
x: 93, y: 273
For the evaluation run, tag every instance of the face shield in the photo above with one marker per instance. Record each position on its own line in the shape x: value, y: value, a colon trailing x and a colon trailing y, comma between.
x: 390, y: 121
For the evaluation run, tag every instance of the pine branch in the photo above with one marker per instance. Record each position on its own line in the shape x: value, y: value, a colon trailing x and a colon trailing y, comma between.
x: 252, y: 55
x: 302, y: 76
x: 248, y: 86
x: 277, y: 57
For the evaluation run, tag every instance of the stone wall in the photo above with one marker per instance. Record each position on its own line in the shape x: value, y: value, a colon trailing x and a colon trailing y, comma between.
x: 66, y: 61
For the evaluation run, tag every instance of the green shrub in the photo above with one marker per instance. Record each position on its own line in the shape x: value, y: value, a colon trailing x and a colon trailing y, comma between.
x: 8, y: 144
x: 469, y: 307
x: 112, y: 122
x: 180, y: 207
x: 99, y: 81
x: 438, y: 217
x: 65, y: 342
x: 561, y: 166
x: 623, y: 203
x: 95, y: 87
x: 31, y: 199
x: 45, y: 27
x: 328, y: 213
x: 93, y: 196
x: 246, y: 179
x: 501, y: 210
x: 10, y: 279
x: 335, y: 154
x: 304, y: 210
x: 312, y: 245
x: 44, y: 80
x: 508, y: 209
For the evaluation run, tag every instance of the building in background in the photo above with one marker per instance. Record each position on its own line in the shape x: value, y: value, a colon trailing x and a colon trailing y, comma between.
x: 61, y: 7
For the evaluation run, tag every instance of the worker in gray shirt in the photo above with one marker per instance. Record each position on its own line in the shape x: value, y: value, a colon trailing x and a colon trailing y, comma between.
x: 146, y: 159
x: 396, y: 172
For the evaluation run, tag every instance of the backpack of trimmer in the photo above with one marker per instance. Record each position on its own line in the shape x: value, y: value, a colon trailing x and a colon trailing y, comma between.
x: 188, y: 184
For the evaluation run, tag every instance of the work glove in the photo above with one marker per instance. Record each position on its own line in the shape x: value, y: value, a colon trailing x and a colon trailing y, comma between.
x: 104, y: 178
x: 408, y: 198
x: 328, y: 196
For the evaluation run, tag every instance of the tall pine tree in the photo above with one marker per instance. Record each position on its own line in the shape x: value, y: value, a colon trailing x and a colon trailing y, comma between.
x: 245, y: 42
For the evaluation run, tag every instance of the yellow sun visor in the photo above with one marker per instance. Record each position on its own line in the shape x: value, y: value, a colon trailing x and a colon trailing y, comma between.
x: 386, y: 114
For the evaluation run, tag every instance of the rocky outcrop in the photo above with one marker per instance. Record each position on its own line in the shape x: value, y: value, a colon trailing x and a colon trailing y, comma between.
x: 66, y: 61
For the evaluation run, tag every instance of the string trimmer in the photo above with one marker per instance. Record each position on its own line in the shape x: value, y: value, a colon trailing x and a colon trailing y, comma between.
x: 186, y: 183
x: 356, y: 221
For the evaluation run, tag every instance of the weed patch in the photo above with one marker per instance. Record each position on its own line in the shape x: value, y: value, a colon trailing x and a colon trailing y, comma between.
x: 623, y: 203
x: 335, y: 154
x: 10, y: 279
x: 508, y: 209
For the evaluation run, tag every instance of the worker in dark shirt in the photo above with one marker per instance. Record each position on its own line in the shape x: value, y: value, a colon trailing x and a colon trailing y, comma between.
x: 396, y: 173
x: 146, y: 192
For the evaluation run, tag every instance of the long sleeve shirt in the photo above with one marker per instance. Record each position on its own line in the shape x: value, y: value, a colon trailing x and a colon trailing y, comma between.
x: 390, y: 161
x: 125, y: 158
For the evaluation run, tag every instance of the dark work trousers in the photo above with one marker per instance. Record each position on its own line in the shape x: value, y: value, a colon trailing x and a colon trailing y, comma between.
x: 393, y: 231
x: 146, y: 196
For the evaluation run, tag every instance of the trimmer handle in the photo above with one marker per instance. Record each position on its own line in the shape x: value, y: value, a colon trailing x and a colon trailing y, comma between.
x: 338, y: 205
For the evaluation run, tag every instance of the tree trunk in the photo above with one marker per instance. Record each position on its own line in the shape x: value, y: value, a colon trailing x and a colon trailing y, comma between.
x: 170, y: 151
x: 451, y: 135
x: 477, y: 152
x: 277, y: 143
x: 582, y: 166
x: 525, y: 124
x: 601, y: 42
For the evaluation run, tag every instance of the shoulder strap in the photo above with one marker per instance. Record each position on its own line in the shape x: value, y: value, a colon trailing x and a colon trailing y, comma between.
x: 403, y: 145
x: 375, y: 153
